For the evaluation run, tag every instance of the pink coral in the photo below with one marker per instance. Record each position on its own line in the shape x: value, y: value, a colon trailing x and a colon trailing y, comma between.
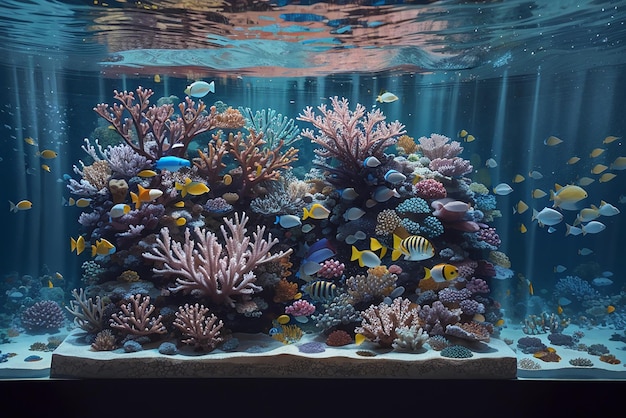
x: 477, y: 286
x: 300, y: 308
x: 331, y: 269
x: 381, y: 322
x: 135, y: 317
x: 439, y: 146
x: 430, y: 189
x: 451, y: 167
x: 201, y: 330
x: 466, y: 268
x: 490, y: 236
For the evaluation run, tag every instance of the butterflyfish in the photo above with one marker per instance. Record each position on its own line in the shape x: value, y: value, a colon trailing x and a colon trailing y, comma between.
x: 518, y: 178
x: 47, y: 154
x: 606, y: 177
x: 520, y: 207
x: 552, y: 141
x: 573, y: 160
x: 441, y: 272
x: 171, y: 163
x: 386, y: 97
x: 538, y: 194
x: 547, y: 216
x: 502, y: 189
x: 567, y: 197
x: 599, y: 168
x: 596, y: 152
x: 77, y: 244
x: 194, y: 188
x: 45, y: 167
x: 610, y: 139
x: 119, y: 210
x: 144, y: 195
x: 413, y: 247
x: 365, y: 258
x: 619, y: 164
x: 147, y: 173
x: 321, y: 290
x: 21, y: 205
x: 288, y: 221
x: 317, y: 211
x: 200, y: 88
x: 102, y: 247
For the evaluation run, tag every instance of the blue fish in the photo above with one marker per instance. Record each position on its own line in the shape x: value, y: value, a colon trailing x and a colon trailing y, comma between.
x: 172, y: 163
x: 318, y: 252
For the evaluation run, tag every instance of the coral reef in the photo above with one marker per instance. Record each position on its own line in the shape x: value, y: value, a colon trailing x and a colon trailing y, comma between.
x: 381, y: 323
x: 45, y: 315
x: 199, y: 329
x: 87, y: 313
x: 136, y: 318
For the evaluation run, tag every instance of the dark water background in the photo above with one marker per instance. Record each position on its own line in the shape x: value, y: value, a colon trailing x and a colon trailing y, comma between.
x: 512, y: 75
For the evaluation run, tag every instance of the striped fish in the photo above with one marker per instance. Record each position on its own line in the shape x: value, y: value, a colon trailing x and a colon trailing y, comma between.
x: 321, y: 290
x: 413, y: 247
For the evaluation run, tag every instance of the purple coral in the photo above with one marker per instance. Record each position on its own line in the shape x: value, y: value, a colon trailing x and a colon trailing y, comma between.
x: 490, y: 236
x: 477, y: 286
x: 439, y: 146
x: 46, y: 315
x: 331, y: 269
x: 471, y: 307
x: 450, y: 295
x: 436, y: 317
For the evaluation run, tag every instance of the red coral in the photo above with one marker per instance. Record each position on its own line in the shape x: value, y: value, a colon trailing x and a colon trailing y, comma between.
x: 430, y: 189
x: 338, y: 338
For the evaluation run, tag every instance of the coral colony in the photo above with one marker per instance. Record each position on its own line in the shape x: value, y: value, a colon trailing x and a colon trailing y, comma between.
x: 188, y: 248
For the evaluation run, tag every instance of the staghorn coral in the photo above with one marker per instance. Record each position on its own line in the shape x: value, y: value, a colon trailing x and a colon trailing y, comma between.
x: 206, y: 267
x: 209, y: 163
x: 156, y: 123
x: 274, y: 126
x: 199, y: 329
x: 121, y: 158
x: 87, y: 313
x: 380, y: 323
x: 135, y: 317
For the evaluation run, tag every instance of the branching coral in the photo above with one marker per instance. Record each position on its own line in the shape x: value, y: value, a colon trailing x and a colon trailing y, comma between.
x: 87, y: 313
x: 380, y: 323
x: 135, y: 317
x: 201, y: 330
x: 156, y: 123
x: 205, y: 267
x: 274, y: 126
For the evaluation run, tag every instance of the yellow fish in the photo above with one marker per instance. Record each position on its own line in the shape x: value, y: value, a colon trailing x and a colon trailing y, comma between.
x: 30, y: 141
x: 531, y: 291
x: 50, y: 285
x: 102, y: 247
x: 559, y: 310
x: 470, y: 138
x: 359, y: 339
x: 194, y: 188
x: 599, y: 168
x: 520, y: 208
x: 619, y: 164
x: 58, y: 275
x: 538, y: 194
x: 376, y: 245
x: 157, y: 78
x: 414, y: 248
x: 78, y: 244
x: 518, y: 178
x: 552, y: 141
x: 596, y: 152
x: 21, y: 205
x: 573, y: 160
x: 610, y: 309
x: 227, y: 179
x: 147, y: 173
x: 283, y: 319
x: 606, y: 177
x: 48, y: 154
x: 317, y: 211
x: 463, y: 133
x: 567, y: 197
x: 523, y: 229
x: 180, y: 204
x: 46, y: 167
x: 499, y: 322
x: 610, y: 139
x: 82, y: 202
x: 181, y: 221
x: 441, y: 272
x: 144, y: 195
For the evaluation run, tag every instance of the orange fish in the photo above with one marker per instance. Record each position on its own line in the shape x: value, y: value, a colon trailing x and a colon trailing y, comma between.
x: 610, y: 309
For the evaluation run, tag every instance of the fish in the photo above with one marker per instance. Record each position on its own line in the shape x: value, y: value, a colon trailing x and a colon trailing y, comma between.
x: 567, y: 197
x: 585, y: 181
x: 45, y: 167
x: 30, y: 141
x: 607, y: 209
x: 602, y: 281
x: 366, y: 258
x: 375, y: 245
x: 348, y: 193
x: 50, y: 284
x: 102, y: 247
x: 607, y: 273
x: 157, y: 78
x: 181, y: 221
x: 119, y: 210
x: 559, y: 268
x: 321, y: 290
x: 180, y: 204
x: 610, y: 309
x: 306, y: 228
x: 58, y: 276
x: 536, y: 175
x: 563, y: 301
x: 386, y: 97
x: 618, y: 164
x: 621, y: 199
x: 194, y: 188
x: 413, y: 247
x: 551, y: 230
x: 523, y: 229
x: 371, y: 162
x: 559, y: 310
x: 502, y: 189
x: 491, y: 163
x: 610, y: 139
x: 572, y: 160
x: 552, y: 141
x: 227, y: 179
x: 21, y: 205
x: 596, y: 152
x: 441, y: 272
x: 283, y: 319
x: 538, y: 194
x: 585, y: 251
x: 359, y: 339
x: 547, y: 216
x: 520, y: 207
x: 572, y: 230
x: 394, y: 176
x: 147, y: 173
x: 353, y: 214
x: 77, y: 244
x: 593, y: 227
x: 499, y: 322
x: 518, y: 178
x: 200, y: 88
x: 317, y: 211
x: 383, y: 193
x: 144, y: 195
x: 288, y: 221
x: 47, y: 154
x: 606, y: 177
x: 587, y: 215
x: 171, y: 163
x: 463, y: 133
x: 83, y: 202
x: 469, y: 138
x: 531, y: 290
x: 598, y: 168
